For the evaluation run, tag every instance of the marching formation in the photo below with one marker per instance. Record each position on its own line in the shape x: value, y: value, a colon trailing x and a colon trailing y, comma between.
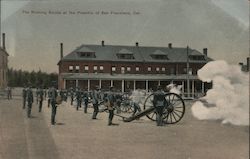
x: 109, y: 101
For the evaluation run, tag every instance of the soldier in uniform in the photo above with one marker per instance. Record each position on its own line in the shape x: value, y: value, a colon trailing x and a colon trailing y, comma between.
x: 110, y: 105
x: 49, y: 96
x: 53, y: 104
x: 40, y: 98
x: 71, y: 95
x: 95, y: 101
x: 30, y: 101
x: 86, y: 101
x: 159, y: 103
x: 78, y: 98
x: 9, y: 93
x: 24, y: 96
x: 37, y: 92
x: 136, y: 107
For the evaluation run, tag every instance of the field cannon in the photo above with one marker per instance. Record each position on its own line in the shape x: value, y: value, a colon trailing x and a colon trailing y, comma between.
x: 174, y: 109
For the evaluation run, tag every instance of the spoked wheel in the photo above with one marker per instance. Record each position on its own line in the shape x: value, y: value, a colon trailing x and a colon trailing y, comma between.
x: 126, y: 108
x: 149, y: 104
x: 174, y: 109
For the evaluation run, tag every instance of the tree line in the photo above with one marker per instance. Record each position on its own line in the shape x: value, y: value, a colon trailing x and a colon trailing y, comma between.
x: 20, y: 78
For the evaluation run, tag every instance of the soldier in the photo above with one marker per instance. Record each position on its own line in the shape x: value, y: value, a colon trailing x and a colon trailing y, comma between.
x: 9, y: 93
x: 78, y: 98
x: 95, y: 101
x: 24, y: 96
x: 53, y: 104
x: 49, y: 96
x: 159, y: 103
x: 86, y: 101
x: 71, y: 95
x: 37, y: 92
x: 110, y: 105
x: 40, y: 98
x: 30, y: 101
x: 136, y: 107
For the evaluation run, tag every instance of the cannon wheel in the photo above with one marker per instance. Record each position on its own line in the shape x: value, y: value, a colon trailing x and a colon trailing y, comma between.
x: 173, y: 111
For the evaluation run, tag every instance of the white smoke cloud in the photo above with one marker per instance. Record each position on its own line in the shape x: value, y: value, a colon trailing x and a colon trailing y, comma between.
x: 229, y: 95
x: 174, y: 89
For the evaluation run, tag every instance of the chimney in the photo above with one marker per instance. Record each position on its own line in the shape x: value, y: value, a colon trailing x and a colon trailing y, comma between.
x: 4, y: 41
x: 170, y: 45
x: 137, y: 44
x: 61, y: 50
x: 205, y: 51
x: 102, y: 42
x: 248, y: 63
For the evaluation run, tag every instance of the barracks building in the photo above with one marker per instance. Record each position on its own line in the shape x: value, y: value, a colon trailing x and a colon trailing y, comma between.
x: 129, y: 68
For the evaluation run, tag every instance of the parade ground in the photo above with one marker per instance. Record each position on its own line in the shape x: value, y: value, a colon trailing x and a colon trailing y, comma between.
x: 77, y: 136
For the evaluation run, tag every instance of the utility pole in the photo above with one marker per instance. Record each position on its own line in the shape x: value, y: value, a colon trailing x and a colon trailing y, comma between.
x: 188, y: 84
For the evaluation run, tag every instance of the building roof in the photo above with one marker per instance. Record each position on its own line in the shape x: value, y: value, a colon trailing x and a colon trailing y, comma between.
x: 140, y: 53
x: 159, y: 52
x: 125, y: 51
x: 84, y: 49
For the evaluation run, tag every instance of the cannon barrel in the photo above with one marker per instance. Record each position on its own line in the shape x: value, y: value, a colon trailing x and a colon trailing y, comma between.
x: 137, y: 116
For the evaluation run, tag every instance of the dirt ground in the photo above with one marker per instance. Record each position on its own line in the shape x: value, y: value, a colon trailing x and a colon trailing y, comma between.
x: 77, y: 136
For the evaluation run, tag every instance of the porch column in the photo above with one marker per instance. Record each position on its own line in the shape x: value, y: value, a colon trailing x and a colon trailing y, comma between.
x: 182, y: 90
x: 111, y: 83
x: 77, y: 83
x: 64, y: 84
x: 202, y: 87
x: 147, y: 85
x: 193, y: 88
x: 159, y: 83
x: 88, y: 85
x: 134, y: 85
x: 100, y: 83
x: 122, y: 86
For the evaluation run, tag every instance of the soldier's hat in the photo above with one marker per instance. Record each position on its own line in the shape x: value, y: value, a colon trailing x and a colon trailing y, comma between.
x: 111, y: 87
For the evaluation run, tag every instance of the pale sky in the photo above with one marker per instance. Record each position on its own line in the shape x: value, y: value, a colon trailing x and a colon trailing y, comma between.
x: 32, y: 40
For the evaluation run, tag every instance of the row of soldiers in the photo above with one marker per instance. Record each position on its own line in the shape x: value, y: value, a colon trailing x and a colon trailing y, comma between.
x: 28, y: 99
x: 110, y: 99
x: 97, y: 97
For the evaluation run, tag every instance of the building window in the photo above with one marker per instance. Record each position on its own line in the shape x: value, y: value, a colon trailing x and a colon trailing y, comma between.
x: 125, y: 56
x: 149, y: 68
x: 71, y: 68
x: 95, y: 68
x: 86, y: 54
x: 157, y: 69
x: 77, y: 69
x: 113, y: 68
x: 128, y: 69
x: 163, y: 69
x: 122, y: 69
x: 86, y: 68
x: 137, y: 69
x: 101, y: 68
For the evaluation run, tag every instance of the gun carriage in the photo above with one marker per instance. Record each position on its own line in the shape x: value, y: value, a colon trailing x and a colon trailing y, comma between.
x: 173, y: 111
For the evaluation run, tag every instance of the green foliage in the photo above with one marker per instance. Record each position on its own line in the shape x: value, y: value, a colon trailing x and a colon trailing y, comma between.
x: 20, y: 78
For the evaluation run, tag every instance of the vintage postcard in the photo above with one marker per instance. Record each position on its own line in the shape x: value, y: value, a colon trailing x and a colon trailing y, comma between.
x: 118, y: 79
